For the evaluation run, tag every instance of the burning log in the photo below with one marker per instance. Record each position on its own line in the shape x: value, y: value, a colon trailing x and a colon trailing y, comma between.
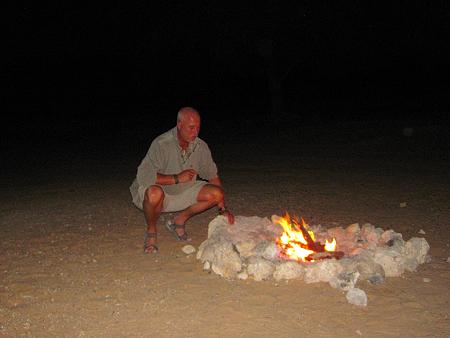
x: 325, y: 255
x: 315, y: 250
x: 313, y: 245
x: 319, y: 248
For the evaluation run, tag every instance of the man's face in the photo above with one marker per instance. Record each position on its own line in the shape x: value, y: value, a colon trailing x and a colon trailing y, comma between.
x: 188, y: 127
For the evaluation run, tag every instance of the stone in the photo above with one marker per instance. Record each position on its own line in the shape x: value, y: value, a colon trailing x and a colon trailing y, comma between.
x: 371, y: 236
x: 348, y: 240
x: 322, y: 271
x: 391, y: 260
x: 246, y: 248
x: 366, y: 266
x: 260, y: 268
x: 226, y: 262
x: 410, y: 264
x: 243, y: 275
x: 392, y: 239
x: 288, y: 270
x: 222, y: 256
x: 357, y: 297
x: 344, y: 281
x: 353, y: 229
x: 376, y: 279
x: 188, y: 249
x: 267, y: 250
x: 217, y: 226
x: 417, y: 248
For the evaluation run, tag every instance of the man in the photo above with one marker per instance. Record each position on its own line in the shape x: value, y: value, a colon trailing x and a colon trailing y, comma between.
x: 166, y: 179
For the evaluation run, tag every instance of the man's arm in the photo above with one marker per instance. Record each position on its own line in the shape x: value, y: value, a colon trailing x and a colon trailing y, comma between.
x: 162, y: 179
x: 184, y: 176
x: 223, y: 210
x: 216, y: 181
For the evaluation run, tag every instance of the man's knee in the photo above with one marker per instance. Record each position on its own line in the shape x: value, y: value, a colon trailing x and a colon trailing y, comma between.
x: 213, y: 193
x: 154, y: 195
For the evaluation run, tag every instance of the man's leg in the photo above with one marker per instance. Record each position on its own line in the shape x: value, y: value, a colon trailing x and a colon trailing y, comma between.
x: 208, y: 196
x: 152, y: 206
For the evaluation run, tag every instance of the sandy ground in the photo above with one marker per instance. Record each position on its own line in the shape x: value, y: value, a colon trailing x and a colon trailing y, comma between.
x: 71, y: 242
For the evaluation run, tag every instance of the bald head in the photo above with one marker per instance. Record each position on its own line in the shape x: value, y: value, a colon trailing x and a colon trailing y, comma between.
x: 186, y: 113
x: 188, y: 125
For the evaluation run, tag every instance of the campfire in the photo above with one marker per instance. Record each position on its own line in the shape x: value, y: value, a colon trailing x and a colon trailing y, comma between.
x: 298, y: 242
x: 283, y: 248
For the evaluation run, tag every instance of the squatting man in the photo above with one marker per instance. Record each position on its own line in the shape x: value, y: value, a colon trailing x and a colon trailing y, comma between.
x: 167, y: 179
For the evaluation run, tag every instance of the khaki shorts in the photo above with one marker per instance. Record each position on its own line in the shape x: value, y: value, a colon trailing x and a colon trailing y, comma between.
x: 177, y: 202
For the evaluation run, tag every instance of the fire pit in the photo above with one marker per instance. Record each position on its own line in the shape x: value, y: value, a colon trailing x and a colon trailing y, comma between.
x: 284, y: 248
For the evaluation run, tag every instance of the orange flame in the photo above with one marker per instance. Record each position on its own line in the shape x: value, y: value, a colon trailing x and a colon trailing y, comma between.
x: 293, y: 243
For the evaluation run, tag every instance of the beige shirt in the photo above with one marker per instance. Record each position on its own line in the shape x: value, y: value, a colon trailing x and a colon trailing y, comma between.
x: 165, y: 156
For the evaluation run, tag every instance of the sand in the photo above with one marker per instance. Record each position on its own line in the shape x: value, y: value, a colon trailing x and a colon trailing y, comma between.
x: 72, y: 263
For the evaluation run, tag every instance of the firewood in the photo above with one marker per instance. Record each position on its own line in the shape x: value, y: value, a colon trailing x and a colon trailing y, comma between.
x: 325, y: 255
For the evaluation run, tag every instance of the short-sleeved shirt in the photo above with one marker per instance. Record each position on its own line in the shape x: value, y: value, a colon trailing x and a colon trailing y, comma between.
x: 166, y: 157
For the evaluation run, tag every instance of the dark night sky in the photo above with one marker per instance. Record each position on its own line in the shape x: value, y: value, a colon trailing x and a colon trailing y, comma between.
x: 141, y: 62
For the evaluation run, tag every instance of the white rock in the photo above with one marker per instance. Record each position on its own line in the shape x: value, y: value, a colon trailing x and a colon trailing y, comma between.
x: 322, y: 271
x: 426, y: 280
x: 390, y: 236
x: 344, y: 281
x: 422, y: 232
x: 393, y: 240
x: 226, y: 262
x: 267, y: 250
x: 417, y: 248
x: 200, y: 250
x: 243, y: 275
x: 260, y: 268
x: 371, y: 236
x: 275, y: 219
x: 356, y: 296
x: 392, y: 261
x: 365, y: 265
x: 353, y: 229
x: 288, y: 270
x: 448, y: 259
x: 403, y: 204
x: 246, y: 248
x: 219, y: 252
x: 188, y: 249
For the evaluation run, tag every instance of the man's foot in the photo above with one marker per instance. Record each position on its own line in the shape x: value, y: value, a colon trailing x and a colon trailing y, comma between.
x: 150, y: 243
x: 178, y: 231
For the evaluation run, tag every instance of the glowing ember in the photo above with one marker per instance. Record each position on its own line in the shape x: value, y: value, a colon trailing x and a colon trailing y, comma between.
x: 298, y: 241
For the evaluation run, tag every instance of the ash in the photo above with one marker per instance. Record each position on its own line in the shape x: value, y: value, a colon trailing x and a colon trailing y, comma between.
x: 247, y: 249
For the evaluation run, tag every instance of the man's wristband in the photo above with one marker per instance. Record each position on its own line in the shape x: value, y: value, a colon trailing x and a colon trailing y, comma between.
x: 175, y: 177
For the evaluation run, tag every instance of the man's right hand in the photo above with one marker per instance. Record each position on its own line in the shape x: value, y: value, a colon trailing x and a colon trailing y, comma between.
x: 187, y: 175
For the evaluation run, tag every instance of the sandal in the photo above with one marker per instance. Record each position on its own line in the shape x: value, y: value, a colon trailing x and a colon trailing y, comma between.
x: 171, y: 227
x: 148, y: 247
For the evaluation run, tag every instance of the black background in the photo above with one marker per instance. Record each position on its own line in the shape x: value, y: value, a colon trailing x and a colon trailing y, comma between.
x: 118, y: 72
